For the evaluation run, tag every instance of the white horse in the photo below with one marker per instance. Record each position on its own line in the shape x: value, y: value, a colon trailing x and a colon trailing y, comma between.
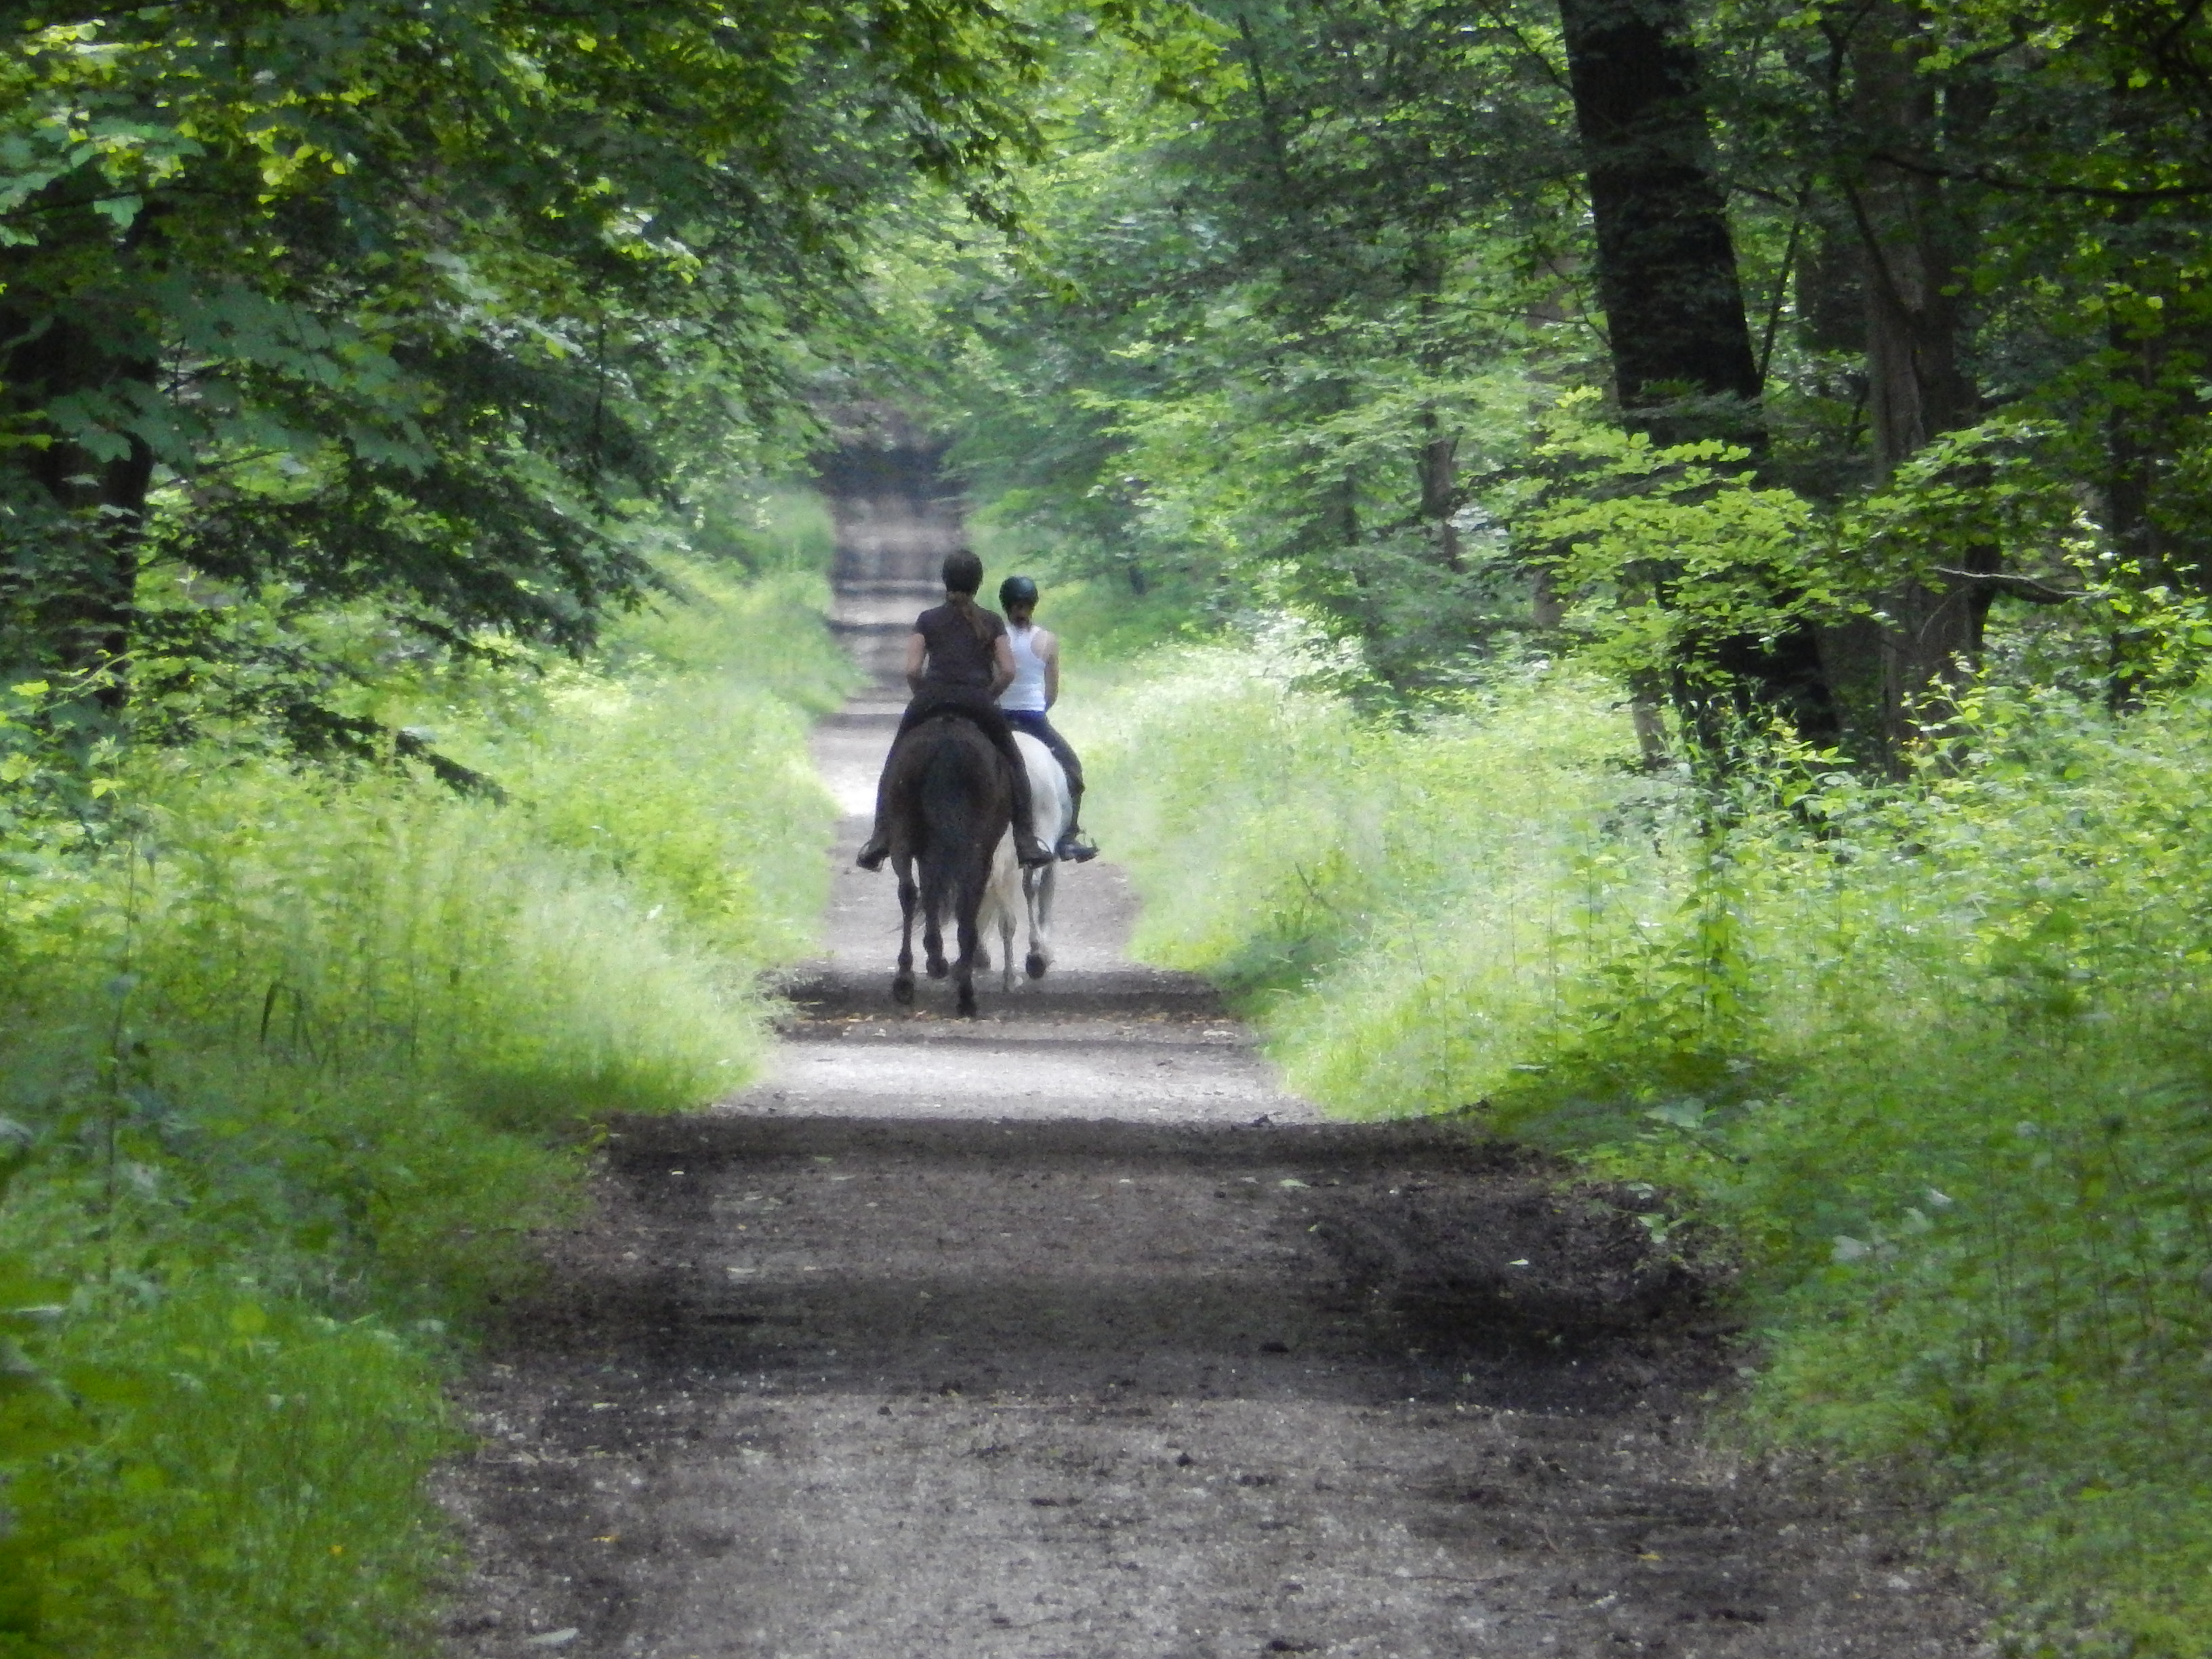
x: 1013, y: 891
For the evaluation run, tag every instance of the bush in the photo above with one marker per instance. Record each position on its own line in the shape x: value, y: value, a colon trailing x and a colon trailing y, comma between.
x: 1423, y: 913
x: 252, y: 1486
x: 636, y: 773
x: 291, y: 1064
x: 1934, y: 1055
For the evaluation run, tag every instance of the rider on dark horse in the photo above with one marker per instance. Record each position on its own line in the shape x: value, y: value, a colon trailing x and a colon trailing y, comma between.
x: 958, y: 661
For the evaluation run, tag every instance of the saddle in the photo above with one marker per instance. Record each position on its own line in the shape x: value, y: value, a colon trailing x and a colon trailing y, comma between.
x: 970, y: 713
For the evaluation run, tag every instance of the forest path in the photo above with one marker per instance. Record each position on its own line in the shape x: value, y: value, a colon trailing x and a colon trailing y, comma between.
x: 1064, y: 1334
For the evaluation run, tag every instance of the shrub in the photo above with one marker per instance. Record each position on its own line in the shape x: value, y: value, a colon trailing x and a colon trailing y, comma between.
x: 292, y: 1062
x: 1934, y: 1054
x: 250, y: 1484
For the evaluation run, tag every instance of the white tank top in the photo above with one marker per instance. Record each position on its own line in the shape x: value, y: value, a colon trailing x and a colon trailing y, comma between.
x: 1028, y: 690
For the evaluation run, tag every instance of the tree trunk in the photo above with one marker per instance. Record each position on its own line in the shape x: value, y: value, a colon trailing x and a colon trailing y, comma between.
x: 1437, y: 463
x: 1684, y: 366
x: 2138, y: 415
x: 1547, y: 612
x: 79, y: 598
x: 1917, y: 251
x: 1666, y: 263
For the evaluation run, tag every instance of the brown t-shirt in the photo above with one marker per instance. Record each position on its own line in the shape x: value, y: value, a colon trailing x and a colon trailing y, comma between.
x: 957, y: 659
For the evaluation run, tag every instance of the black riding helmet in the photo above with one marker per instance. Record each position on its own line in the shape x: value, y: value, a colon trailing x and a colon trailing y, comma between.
x: 1017, y: 590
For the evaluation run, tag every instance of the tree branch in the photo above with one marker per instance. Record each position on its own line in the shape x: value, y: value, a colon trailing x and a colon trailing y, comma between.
x: 1994, y: 180
x: 2013, y: 585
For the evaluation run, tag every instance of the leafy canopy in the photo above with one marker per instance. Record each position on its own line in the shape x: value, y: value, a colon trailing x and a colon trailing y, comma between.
x: 428, y: 303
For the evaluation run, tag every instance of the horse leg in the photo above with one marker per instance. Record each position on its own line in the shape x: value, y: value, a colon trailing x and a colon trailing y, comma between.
x: 964, y: 971
x: 1031, y: 879
x: 1039, y: 886
x: 1047, y: 895
x: 902, y: 981
x: 1005, y: 912
x: 932, y: 944
x: 1038, y: 889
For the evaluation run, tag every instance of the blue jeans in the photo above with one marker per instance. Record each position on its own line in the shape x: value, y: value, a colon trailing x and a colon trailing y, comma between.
x: 1032, y: 720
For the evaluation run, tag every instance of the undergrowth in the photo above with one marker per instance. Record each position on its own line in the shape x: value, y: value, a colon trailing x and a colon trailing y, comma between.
x: 1935, y: 1054
x: 292, y: 1062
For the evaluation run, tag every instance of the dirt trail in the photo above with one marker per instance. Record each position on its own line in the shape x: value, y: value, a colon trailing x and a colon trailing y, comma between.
x: 1065, y: 1332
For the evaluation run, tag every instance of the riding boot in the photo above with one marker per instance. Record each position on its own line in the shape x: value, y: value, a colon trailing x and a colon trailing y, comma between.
x: 878, y: 847
x: 1073, y: 848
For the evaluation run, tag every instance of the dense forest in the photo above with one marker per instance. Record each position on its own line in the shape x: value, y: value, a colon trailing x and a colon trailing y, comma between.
x: 1657, y: 550
x: 1395, y: 315
x: 1638, y: 572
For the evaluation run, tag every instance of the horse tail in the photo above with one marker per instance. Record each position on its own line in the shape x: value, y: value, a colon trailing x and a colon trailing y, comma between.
x: 951, y: 796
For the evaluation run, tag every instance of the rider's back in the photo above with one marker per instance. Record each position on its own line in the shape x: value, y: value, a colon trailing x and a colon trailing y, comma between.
x: 1027, y: 693
x: 962, y: 657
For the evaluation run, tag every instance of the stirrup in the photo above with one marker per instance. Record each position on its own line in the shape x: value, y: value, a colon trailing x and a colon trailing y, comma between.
x: 871, y: 856
x: 1031, y: 853
x: 1074, y: 851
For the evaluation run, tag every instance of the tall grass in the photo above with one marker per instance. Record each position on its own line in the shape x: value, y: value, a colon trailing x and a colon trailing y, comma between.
x: 1937, y: 1057
x: 634, y: 771
x: 250, y: 1487
x: 291, y: 1065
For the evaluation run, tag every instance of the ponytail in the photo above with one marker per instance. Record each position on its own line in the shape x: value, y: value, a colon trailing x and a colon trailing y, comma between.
x: 971, y: 613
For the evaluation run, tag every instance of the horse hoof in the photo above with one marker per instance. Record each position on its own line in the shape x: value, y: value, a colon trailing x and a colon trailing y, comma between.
x: 1037, y: 964
x: 967, y: 1004
x: 939, y: 968
x: 903, y: 988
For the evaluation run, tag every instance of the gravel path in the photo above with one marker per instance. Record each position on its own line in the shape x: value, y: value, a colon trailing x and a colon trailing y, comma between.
x: 1065, y: 1331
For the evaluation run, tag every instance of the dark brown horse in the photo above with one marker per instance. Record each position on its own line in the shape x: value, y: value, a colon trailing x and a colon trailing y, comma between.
x: 951, y: 801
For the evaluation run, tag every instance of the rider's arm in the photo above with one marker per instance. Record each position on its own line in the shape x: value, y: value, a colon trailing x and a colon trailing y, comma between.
x: 1047, y: 650
x: 1002, y: 663
x: 917, y: 648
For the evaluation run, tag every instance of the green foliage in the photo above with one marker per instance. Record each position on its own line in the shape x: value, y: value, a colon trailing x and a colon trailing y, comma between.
x: 1296, y: 333
x: 1668, y: 552
x: 780, y: 529
x: 1438, y: 908
x: 1932, y: 1053
x: 636, y: 777
x: 291, y: 1064
x: 246, y: 1482
x: 754, y: 622
x: 430, y: 307
x: 1238, y: 319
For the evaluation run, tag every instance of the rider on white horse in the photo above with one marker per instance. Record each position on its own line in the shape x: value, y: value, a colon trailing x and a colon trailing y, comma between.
x: 958, y: 661
x: 1036, y: 688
